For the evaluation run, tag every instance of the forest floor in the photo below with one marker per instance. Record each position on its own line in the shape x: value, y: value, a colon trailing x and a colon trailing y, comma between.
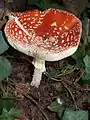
x: 35, y: 101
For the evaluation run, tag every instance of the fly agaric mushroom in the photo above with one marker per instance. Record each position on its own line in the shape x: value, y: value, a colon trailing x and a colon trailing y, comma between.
x: 50, y: 35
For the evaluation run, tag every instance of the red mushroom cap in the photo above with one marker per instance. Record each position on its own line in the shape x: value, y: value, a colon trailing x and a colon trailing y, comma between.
x: 53, y: 33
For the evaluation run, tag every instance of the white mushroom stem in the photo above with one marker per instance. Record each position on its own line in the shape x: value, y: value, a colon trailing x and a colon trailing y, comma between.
x: 39, y: 69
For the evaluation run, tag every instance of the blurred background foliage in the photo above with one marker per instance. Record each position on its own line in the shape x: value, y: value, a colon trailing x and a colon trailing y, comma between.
x: 81, y: 59
x: 74, y: 6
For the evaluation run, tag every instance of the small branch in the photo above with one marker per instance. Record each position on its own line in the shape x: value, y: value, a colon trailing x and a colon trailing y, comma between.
x: 41, y: 109
x: 76, y: 86
x: 54, y: 79
x: 59, y: 75
x: 10, y: 98
x: 82, y: 72
x: 70, y: 94
x: 87, y: 90
x: 68, y: 72
x: 32, y: 100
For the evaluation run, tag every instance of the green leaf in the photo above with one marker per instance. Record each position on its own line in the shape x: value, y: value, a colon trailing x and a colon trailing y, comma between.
x: 87, y: 69
x: 88, y: 53
x: 66, y: 113
x: 85, y: 79
x: 80, y: 53
x: 4, y: 115
x: 5, y: 68
x: 11, y: 115
x: 3, y: 44
x: 60, y: 112
x: 88, y: 39
x: 80, y: 63
x: 56, y: 106
x: 8, y: 104
x: 51, y: 72
x: 75, y: 115
x: 15, y: 112
x: 87, y: 60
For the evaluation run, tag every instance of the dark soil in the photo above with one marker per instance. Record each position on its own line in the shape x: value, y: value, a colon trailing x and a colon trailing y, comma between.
x: 48, y: 91
x: 34, y: 101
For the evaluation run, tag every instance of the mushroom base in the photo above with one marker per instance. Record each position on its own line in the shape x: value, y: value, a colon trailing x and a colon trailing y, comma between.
x: 36, y: 78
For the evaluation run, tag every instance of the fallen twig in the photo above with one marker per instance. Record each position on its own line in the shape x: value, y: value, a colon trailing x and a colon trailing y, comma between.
x: 67, y: 73
x: 70, y: 93
x: 82, y: 72
x: 32, y: 100
x: 41, y: 109
x: 62, y: 74
x: 10, y: 98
